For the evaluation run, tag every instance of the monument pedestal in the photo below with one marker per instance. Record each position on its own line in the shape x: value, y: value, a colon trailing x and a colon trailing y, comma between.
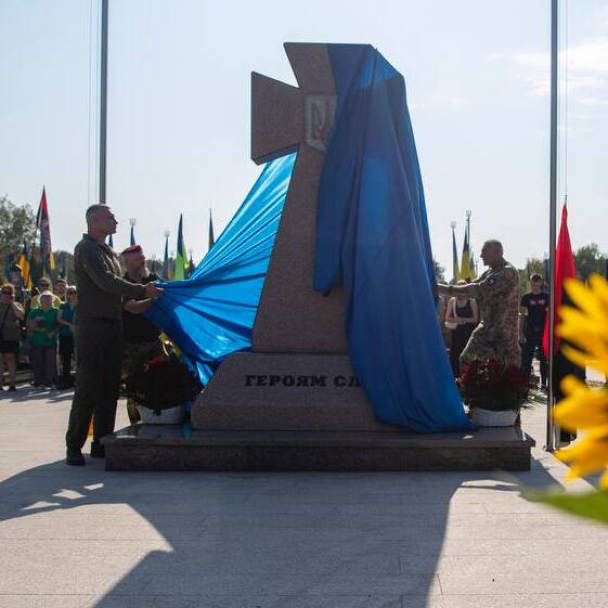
x: 285, y: 392
x: 180, y: 448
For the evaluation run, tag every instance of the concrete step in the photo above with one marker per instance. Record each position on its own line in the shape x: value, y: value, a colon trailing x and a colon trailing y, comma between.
x: 181, y: 448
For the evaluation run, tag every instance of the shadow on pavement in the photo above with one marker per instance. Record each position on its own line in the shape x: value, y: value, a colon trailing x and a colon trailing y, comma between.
x: 268, y: 540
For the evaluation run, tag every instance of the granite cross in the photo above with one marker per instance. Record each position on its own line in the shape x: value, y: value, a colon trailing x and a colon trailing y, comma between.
x: 292, y: 317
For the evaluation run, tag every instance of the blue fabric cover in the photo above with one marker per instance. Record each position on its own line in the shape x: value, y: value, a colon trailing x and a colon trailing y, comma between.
x: 211, y: 314
x: 373, y: 235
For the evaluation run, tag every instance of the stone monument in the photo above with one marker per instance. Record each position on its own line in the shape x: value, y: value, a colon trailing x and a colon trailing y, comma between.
x: 293, y: 403
x: 298, y: 375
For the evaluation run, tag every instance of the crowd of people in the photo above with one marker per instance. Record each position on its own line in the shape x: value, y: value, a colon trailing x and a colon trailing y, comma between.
x: 38, y: 328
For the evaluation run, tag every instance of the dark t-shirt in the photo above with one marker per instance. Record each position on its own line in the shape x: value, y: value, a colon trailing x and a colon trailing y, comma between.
x: 137, y: 328
x: 537, y: 305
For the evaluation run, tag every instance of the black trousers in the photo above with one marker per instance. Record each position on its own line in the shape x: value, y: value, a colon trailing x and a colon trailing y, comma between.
x: 532, y: 347
x: 99, y: 345
x: 66, y: 352
x: 44, y: 364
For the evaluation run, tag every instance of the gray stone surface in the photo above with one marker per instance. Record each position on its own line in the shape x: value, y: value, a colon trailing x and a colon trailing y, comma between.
x: 166, y: 448
x: 88, y: 538
x: 266, y: 391
x: 292, y: 317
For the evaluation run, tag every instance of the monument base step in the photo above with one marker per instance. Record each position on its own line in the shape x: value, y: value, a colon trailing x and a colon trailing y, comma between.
x: 181, y: 448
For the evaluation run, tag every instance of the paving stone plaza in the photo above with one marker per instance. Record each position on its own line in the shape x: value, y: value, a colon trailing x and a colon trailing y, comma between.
x: 84, y: 537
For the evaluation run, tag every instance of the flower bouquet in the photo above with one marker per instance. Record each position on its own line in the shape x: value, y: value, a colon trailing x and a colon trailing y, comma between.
x: 162, y: 384
x: 494, y: 392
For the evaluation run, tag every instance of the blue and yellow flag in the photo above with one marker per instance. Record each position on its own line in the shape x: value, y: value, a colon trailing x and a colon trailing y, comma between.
x: 166, y: 268
x: 8, y: 262
x: 472, y: 265
x: 181, y: 259
x: 465, y: 264
x: 24, y: 264
x: 455, y: 270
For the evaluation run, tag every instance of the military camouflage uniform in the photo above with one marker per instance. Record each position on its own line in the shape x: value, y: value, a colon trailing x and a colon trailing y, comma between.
x: 496, y: 336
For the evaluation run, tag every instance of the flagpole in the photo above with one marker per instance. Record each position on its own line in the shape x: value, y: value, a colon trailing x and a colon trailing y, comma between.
x: 550, y: 439
x: 454, y: 255
x: 103, y: 102
x: 132, y: 222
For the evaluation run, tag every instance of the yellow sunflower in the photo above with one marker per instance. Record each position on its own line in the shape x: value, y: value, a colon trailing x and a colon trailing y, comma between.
x: 587, y: 326
x: 585, y: 408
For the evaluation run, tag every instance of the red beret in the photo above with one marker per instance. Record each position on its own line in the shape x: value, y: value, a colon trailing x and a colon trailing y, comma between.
x: 132, y: 249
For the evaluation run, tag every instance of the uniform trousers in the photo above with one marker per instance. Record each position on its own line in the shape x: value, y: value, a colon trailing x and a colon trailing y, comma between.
x: 99, y: 347
x: 533, y: 346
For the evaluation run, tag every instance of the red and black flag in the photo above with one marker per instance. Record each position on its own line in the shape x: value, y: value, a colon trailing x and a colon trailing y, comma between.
x: 564, y: 269
x: 43, y: 229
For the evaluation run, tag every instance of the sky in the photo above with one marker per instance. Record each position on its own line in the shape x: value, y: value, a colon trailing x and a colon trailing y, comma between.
x: 477, y: 78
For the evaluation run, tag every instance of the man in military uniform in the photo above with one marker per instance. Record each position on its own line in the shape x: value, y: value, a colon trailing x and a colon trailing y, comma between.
x: 99, y: 333
x: 497, y: 293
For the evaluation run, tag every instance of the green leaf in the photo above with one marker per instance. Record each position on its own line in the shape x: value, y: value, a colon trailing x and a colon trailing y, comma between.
x: 591, y: 505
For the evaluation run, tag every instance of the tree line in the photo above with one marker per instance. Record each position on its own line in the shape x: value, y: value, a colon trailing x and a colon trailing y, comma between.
x: 18, y: 224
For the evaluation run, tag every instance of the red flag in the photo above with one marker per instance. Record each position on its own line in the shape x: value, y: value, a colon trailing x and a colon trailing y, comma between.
x: 564, y: 269
x: 43, y: 226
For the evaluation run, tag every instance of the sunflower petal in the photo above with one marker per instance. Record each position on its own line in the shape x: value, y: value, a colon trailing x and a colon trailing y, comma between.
x: 604, y: 481
x: 576, y: 356
x: 600, y: 287
x: 584, y: 298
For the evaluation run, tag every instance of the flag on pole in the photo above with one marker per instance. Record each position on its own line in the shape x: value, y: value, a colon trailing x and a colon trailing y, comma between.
x: 472, y: 265
x: 181, y: 259
x: 8, y: 262
x: 166, y: 269
x: 465, y: 267
x: 564, y: 269
x: 133, y: 242
x: 455, y: 270
x: 63, y: 273
x: 43, y: 227
x: 211, y: 236
x: 35, y: 270
x: 24, y: 265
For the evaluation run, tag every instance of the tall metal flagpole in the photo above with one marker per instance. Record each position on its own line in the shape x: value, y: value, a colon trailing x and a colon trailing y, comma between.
x: 550, y: 439
x: 103, y: 102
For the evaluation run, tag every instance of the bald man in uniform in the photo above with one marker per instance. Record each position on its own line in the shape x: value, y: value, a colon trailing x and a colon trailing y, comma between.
x: 497, y: 293
x: 99, y: 334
